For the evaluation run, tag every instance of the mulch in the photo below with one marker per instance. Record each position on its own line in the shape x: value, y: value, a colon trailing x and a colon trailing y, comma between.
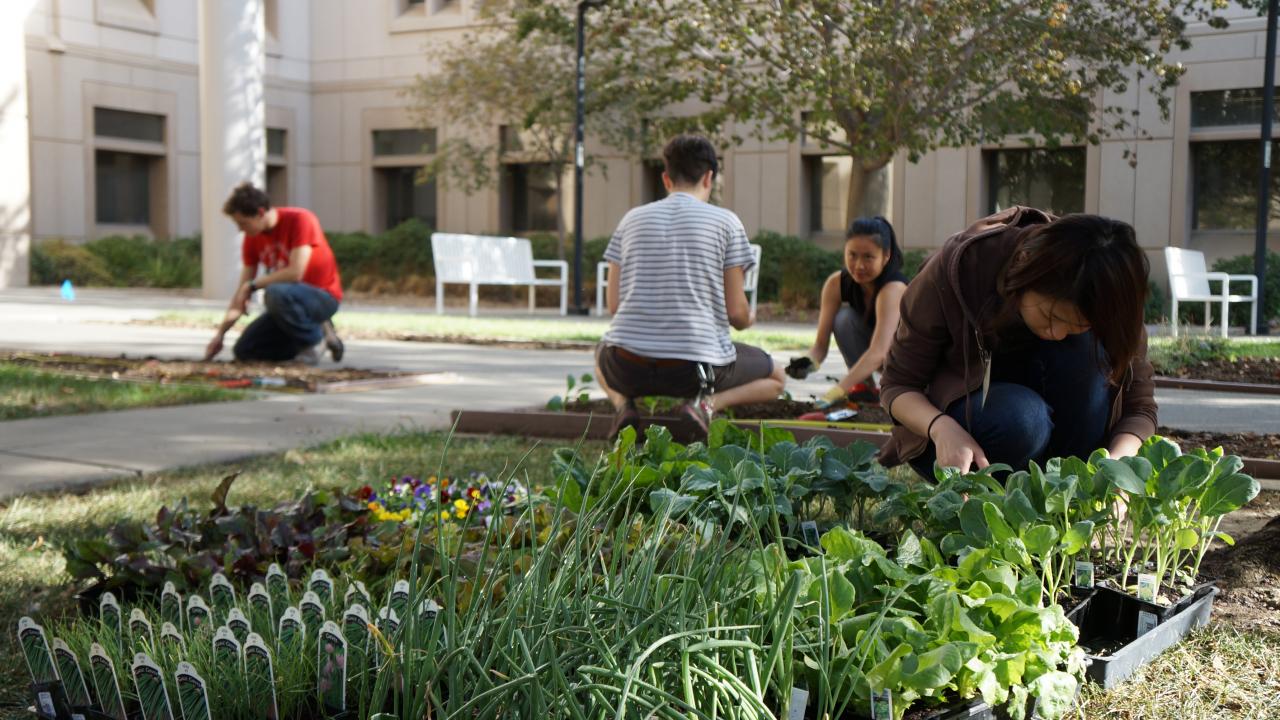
x: 1264, y: 371
x: 1244, y: 444
x: 295, y: 376
x: 1248, y: 575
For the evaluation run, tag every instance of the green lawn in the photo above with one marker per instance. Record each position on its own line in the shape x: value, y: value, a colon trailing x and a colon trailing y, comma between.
x: 429, y: 326
x: 1218, y: 673
x: 26, y: 393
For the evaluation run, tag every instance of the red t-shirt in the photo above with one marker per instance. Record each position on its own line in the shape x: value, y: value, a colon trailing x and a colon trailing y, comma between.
x: 294, y: 228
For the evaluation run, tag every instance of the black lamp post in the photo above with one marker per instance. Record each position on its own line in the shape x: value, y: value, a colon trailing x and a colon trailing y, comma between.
x: 1264, y: 180
x: 579, y: 156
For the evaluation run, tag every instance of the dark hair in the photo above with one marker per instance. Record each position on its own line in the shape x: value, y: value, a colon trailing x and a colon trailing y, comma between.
x: 688, y: 158
x: 246, y: 200
x: 1094, y: 263
x: 881, y: 231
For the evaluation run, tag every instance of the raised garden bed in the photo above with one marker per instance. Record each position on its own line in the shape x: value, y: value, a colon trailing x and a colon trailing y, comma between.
x: 1252, y: 371
x: 285, y: 377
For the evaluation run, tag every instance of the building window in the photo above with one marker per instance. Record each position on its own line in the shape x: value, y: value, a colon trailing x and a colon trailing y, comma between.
x: 653, y: 188
x: 406, y: 198
x: 125, y: 125
x: 398, y: 157
x: 404, y: 142
x: 1224, y: 108
x: 123, y: 185
x: 130, y: 181
x: 530, y: 203
x: 1225, y: 185
x: 827, y: 178
x: 277, y: 166
x: 1050, y: 180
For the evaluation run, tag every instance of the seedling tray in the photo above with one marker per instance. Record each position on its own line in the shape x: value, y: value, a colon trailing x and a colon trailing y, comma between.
x: 1109, y: 619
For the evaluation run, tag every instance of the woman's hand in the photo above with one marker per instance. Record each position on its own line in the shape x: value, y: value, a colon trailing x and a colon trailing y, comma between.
x: 955, y: 446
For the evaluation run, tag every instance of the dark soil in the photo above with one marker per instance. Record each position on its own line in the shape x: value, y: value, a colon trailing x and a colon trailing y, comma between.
x: 1244, y: 444
x: 1245, y: 370
x: 1249, y: 576
x: 774, y: 410
x: 296, y: 377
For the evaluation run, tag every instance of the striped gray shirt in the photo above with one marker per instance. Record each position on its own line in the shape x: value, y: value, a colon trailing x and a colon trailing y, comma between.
x: 673, y: 254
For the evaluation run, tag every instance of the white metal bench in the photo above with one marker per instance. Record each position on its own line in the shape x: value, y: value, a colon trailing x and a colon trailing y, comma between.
x: 477, y: 260
x: 1189, y: 282
x: 749, y: 282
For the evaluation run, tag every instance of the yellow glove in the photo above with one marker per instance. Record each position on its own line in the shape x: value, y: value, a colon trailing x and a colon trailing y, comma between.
x: 834, y: 395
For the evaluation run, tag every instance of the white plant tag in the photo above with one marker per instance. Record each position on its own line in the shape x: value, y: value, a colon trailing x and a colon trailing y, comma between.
x: 1084, y: 574
x: 882, y: 705
x: 809, y: 531
x: 1147, y: 587
x: 1147, y: 622
x: 46, y: 704
x: 799, y: 702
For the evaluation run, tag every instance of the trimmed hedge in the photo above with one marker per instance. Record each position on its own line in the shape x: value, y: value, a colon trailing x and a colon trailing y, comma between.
x: 118, y: 261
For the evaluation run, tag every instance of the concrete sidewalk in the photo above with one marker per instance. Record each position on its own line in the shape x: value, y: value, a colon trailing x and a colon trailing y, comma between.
x: 59, y: 452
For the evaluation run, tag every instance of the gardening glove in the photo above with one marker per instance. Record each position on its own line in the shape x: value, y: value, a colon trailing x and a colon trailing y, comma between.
x: 835, y: 396
x: 799, y: 368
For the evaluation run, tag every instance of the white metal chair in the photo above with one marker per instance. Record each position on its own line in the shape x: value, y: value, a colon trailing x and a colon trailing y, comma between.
x: 1189, y: 282
x: 750, y: 281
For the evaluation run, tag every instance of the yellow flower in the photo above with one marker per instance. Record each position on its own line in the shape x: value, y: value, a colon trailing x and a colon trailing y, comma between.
x: 374, y: 506
x: 444, y: 514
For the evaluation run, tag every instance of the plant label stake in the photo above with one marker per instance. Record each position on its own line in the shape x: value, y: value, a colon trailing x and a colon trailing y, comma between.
x: 153, y: 696
x: 1147, y: 622
x: 260, y: 611
x: 171, y: 638
x: 226, y: 649
x: 293, y: 632
x: 106, y: 683
x: 331, y: 671
x: 260, y: 677
x: 221, y: 594
x: 238, y: 623
x: 1084, y: 574
x: 140, y: 630
x: 193, y: 696
x: 35, y: 647
x: 882, y: 705
x: 799, y: 701
x: 321, y: 584
x: 72, y: 679
x: 1147, y: 587
x: 427, y: 609
x: 112, y: 616
x: 355, y: 630
x: 198, y: 614
x: 312, y: 612
x: 388, y: 622
x: 809, y: 530
x: 278, y: 588
x: 400, y: 597
x: 171, y: 605
x: 357, y: 593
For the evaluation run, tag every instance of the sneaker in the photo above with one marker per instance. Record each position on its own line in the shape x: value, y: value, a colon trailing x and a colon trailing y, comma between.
x: 699, y: 413
x: 310, y: 356
x: 332, y: 342
x: 628, y: 415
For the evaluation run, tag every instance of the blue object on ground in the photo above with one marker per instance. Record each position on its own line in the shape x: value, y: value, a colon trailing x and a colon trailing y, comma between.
x: 68, y: 292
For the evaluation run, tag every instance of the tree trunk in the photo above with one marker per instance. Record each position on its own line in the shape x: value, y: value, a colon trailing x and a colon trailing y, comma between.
x: 860, y: 180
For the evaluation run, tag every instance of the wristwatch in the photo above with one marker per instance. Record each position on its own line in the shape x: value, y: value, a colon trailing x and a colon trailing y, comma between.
x: 252, y: 285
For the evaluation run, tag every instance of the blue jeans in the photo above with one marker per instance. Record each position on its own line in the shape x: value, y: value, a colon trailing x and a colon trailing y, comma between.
x: 1053, y: 400
x: 291, y: 324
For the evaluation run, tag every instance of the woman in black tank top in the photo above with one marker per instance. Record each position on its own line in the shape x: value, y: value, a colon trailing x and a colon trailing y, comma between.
x: 860, y: 307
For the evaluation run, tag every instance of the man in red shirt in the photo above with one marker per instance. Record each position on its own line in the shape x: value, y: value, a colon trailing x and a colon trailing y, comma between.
x: 301, y: 286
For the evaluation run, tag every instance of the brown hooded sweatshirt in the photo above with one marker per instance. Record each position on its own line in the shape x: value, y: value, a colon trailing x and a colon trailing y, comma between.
x: 944, y: 338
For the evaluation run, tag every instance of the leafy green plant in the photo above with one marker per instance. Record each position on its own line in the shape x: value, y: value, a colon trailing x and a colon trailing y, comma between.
x: 582, y: 385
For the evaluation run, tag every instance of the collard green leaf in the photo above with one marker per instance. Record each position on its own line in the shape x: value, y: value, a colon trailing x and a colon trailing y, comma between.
x: 1228, y: 493
x: 1121, y: 475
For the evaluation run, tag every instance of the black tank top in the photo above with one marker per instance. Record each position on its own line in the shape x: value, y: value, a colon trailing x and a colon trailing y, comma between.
x: 851, y: 293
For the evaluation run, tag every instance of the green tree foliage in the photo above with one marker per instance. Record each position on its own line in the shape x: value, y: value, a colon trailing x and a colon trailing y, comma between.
x: 871, y: 78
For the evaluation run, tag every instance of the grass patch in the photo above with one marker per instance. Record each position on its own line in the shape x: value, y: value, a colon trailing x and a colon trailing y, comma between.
x: 26, y: 393
x: 1169, y: 354
x: 462, y: 328
x: 1218, y: 672
x: 34, y: 528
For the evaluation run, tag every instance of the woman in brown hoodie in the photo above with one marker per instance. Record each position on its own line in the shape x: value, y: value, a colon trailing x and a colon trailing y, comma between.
x: 1022, y: 339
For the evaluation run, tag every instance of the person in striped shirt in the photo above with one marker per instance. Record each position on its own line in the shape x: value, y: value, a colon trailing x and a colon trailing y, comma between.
x: 676, y: 275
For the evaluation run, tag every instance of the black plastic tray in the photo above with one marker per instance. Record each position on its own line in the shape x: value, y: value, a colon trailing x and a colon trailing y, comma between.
x: 1110, y: 617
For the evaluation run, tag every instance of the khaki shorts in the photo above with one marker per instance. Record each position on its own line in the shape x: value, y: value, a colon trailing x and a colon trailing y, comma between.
x: 633, y: 375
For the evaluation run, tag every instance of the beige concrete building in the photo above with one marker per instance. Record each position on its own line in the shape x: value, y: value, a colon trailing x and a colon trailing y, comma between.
x: 113, y: 140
